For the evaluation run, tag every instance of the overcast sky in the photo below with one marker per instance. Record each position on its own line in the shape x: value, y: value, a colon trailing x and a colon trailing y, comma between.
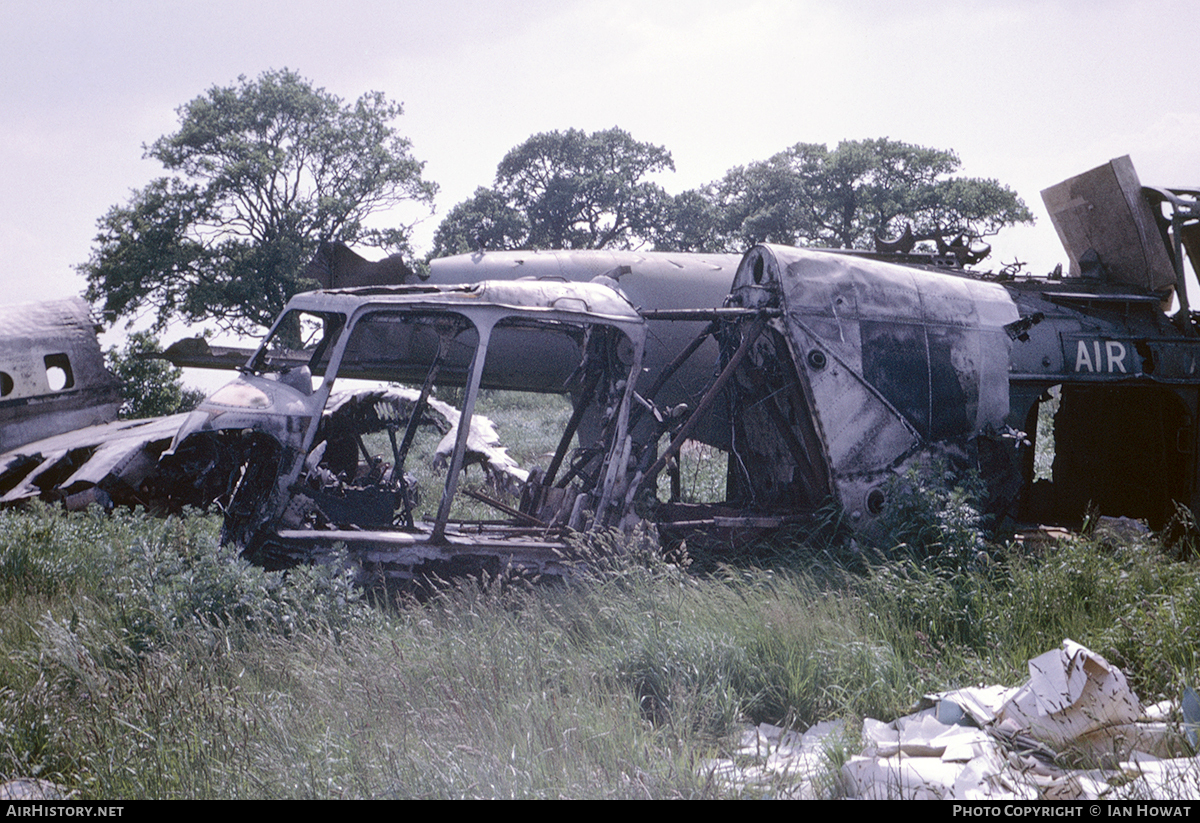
x: 1026, y: 92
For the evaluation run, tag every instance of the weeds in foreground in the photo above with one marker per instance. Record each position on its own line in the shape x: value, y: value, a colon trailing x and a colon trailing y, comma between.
x: 139, y: 660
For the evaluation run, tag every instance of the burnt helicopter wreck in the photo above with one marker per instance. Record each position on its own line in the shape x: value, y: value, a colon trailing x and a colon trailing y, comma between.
x: 300, y: 488
x: 819, y: 375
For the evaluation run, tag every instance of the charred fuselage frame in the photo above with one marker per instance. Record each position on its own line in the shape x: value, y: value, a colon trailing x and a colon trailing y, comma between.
x: 300, y: 488
x: 869, y: 366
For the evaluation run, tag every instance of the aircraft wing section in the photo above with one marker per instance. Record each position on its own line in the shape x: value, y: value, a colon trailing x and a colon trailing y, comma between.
x: 103, y: 464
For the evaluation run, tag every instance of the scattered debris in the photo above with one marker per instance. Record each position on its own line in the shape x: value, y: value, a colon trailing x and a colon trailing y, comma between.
x: 774, y: 762
x: 991, y: 743
x: 107, y: 464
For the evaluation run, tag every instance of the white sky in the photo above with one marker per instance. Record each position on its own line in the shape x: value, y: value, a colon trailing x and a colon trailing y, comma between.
x: 1029, y: 92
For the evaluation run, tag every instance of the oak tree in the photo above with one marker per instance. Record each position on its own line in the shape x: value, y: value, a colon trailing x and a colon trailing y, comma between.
x: 564, y: 190
x: 810, y: 195
x: 260, y: 173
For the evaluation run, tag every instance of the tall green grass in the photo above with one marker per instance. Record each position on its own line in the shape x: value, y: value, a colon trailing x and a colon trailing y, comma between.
x: 140, y: 660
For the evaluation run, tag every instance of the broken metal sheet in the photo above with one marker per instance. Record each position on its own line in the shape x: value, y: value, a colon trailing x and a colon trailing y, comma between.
x: 395, y: 403
x: 924, y: 735
x: 1147, y: 777
x: 920, y: 757
x: 1103, y: 211
x: 483, y: 448
x: 113, y: 457
x: 986, y: 777
x: 980, y: 703
x: 335, y: 266
x: 1072, y: 693
x: 1073, y: 699
x: 774, y: 762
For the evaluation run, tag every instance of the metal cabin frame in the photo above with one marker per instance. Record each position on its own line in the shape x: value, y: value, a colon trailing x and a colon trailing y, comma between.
x: 273, y: 429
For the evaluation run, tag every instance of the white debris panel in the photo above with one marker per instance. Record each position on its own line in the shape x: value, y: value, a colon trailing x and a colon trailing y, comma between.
x: 483, y: 442
x: 989, y: 743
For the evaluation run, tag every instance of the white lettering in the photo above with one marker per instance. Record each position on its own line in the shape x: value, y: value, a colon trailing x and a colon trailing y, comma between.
x: 1093, y: 359
x: 1082, y: 358
x: 1116, y: 356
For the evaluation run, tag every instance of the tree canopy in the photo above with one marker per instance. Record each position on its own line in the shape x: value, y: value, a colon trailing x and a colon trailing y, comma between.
x: 262, y: 172
x: 810, y: 195
x: 571, y: 190
x: 564, y: 190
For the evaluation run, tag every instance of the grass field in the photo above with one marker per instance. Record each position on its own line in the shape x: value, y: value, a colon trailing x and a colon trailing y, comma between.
x: 139, y: 660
